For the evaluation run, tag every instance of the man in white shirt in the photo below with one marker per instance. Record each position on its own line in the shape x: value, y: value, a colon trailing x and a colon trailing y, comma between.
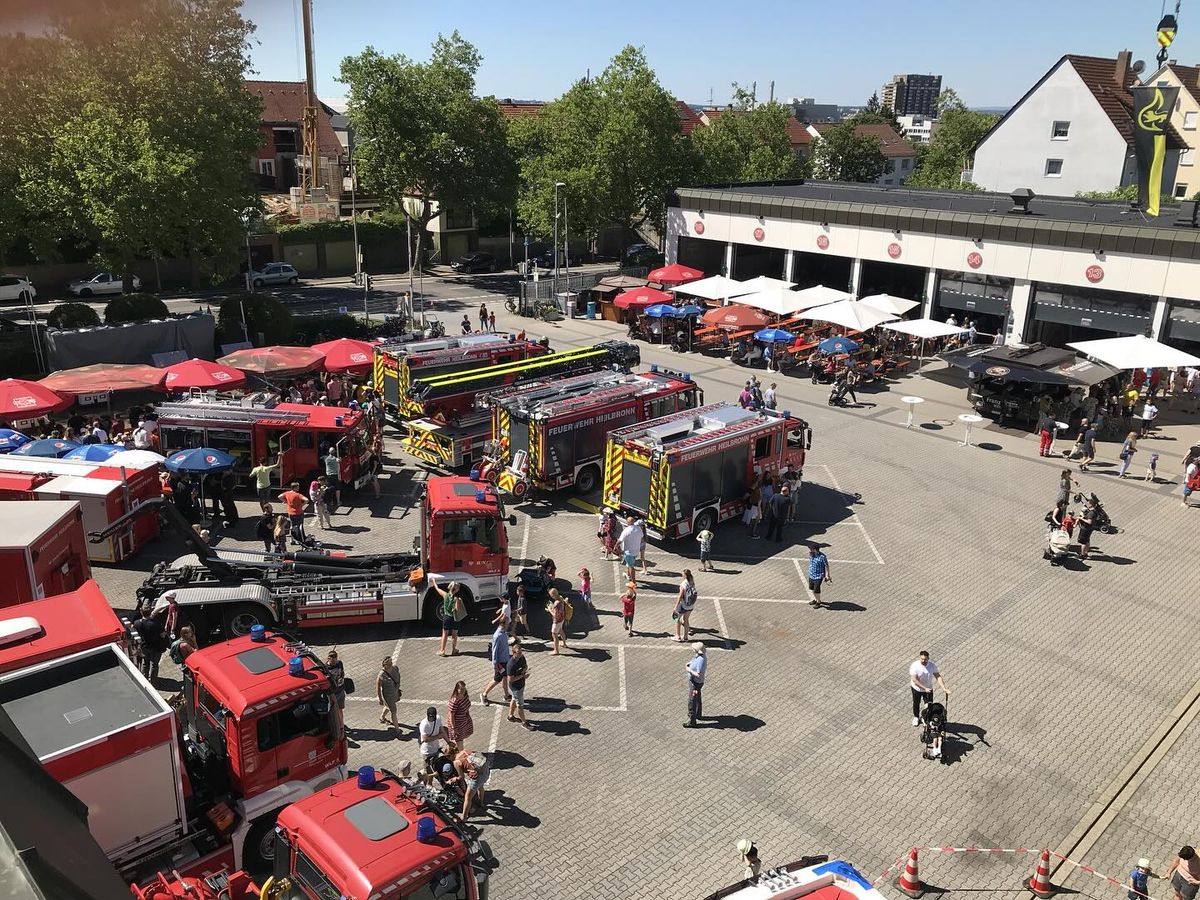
x: 99, y: 433
x: 923, y: 674
x: 1149, y: 414
x: 141, y: 437
x: 769, y: 399
x: 697, y: 669
x: 432, y: 731
x: 631, y: 539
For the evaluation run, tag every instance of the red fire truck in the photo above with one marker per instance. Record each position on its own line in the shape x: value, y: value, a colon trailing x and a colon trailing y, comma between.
x: 688, y: 471
x: 398, y: 366
x: 374, y: 835
x: 553, y: 437
x: 260, y: 728
x: 463, y: 538
x: 257, y: 427
x: 43, y: 549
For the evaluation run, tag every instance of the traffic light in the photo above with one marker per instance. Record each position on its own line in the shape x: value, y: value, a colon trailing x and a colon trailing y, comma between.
x: 367, y: 276
x: 358, y: 277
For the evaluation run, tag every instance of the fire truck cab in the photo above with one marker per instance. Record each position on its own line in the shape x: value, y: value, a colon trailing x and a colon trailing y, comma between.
x: 686, y: 472
x: 258, y: 427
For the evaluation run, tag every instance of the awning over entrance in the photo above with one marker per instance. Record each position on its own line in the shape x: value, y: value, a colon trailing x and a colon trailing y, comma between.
x: 1135, y: 352
x: 1038, y: 364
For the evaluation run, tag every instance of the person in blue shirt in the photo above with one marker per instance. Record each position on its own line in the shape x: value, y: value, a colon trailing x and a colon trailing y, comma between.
x: 696, y: 670
x: 818, y: 572
x: 1139, y: 879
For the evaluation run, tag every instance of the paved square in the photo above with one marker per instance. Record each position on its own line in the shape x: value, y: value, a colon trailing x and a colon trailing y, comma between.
x: 1059, y: 676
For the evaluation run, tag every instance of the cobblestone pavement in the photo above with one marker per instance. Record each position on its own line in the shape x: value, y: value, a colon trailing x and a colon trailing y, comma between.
x: 1058, y: 675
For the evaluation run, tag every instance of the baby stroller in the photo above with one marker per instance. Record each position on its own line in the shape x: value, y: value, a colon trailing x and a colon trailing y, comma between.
x: 837, y: 396
x: 1058, y: 545
x: 1101, y: 521
x: 933, y: 728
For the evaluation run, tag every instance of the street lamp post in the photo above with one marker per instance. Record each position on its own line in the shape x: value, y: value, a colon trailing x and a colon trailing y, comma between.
x: 557, y: 185
x: 247, y: 218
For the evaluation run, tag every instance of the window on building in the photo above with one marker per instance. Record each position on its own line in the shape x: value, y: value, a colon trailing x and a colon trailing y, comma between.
x: 1059, y: 131
x: 905, y: 163
x: 1189, y: 121
x: 1187, y: 157
x: 1054, y: 168
x: 266, y: 167
x: 1180, y: 191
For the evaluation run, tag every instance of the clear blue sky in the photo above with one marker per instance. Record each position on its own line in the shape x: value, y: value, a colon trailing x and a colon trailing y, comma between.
x: 990, y: 52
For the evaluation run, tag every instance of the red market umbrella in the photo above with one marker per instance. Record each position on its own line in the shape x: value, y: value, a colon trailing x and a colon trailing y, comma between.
x: 200, y: 373
x: 28, y: 400
x: 346, y: 355
x: 104, y: 377
x: 640, y: 298
x: 276, y: 360
x: 674, y: 274
x: 735, y: 316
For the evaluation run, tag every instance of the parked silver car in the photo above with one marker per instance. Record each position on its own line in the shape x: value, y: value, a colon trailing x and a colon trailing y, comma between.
x: 101, y: 283
x: 275, y: 273
x: 16, y: 288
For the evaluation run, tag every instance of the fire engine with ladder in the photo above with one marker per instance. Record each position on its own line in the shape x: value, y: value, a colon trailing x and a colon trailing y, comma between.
x: 194, y: 788
x: 463, y: 538
x: 457, y: 422
x: 257, y: 427
x: 689, y: 471
x: 398, y: 365
x: 552, y: 436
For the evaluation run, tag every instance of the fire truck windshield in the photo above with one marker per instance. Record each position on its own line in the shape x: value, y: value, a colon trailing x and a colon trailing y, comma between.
x: 476, y: 530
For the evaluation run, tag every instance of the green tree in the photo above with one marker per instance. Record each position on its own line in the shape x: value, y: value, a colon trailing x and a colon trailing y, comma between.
x: 1128, y: 193
x: 134, y: 308
x: 143, y: 143
x: 72, y: 315
x: 613, y: 141
x: 264, y: 315
x: 747, y: 142
x: 958, y: 131
x: 873, y: 103
x: 885, y: 116
x: 842, y: 155
x: 425, y: 141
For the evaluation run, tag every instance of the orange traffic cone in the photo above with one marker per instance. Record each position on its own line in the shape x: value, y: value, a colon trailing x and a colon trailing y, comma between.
x: 1039, y: 882
x: 909, y: 881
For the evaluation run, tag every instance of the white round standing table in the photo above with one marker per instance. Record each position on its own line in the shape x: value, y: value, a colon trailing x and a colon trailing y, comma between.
x: 968, y: 419
x: 912, y: 404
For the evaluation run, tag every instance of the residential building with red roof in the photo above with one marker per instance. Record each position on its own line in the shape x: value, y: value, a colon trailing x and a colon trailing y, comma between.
x: 900, y: 155
x: 1071, y: 132
x: 280, y: 123
x: 1185, y: 119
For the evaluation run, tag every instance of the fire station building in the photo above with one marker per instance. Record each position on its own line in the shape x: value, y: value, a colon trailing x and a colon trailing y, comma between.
x: 1046, y: 269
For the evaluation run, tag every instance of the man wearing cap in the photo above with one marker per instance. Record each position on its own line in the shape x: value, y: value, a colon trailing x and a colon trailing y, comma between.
x: 696, y: 670
x: 431, y: 732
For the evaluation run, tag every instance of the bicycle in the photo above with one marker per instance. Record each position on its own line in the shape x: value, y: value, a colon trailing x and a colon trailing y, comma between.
x: 510, y: 303
x: 547, y: 311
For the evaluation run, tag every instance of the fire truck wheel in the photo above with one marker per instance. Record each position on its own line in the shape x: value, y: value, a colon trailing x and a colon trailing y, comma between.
x: 258, y: 852
x: 707, y: 520
x: 239, y: 619
x: 520, y: 489
x: 587, y: 479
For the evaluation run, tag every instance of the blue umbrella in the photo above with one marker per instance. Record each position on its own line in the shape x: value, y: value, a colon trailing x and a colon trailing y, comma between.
x: 94, y: 452
x: 773, y: 336
x: 660, y: 311
x: 838, y: 345
x: 54, y: 447
x: 10, y: 440
x: 199, y: 459
x: 690, y: 309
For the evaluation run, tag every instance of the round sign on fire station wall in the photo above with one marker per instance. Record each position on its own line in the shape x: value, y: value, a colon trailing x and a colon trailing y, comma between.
x: 974, y: 260
x: 698, y: 227
x: 1094, y: 274
x: 759, y: 234
x: 894, y: 250
x: 822, y: 242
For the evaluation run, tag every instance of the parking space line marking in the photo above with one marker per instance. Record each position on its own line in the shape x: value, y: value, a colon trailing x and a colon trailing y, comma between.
x: 812, y: 598
x: 854, y: 516
x: 532, y: 701
x: 396, y: 652
x: 621, y: 670
x: 495, y: 738
x: 524, y: 538
x: 671, y: 647
x: 796, y: 559
x: 721, y: 621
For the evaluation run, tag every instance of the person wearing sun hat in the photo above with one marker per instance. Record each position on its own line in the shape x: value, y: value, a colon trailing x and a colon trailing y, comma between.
x: 750, y: 859
x: 697, y: 668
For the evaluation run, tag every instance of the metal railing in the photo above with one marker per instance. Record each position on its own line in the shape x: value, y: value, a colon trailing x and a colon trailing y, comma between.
x: 574, y: 283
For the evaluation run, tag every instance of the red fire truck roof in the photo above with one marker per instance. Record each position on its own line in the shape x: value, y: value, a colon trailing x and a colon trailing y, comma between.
x: 65, y: 624
x: 365, y: 839
x: 643, y: 384
x: 461, y: 496
x: 324, y: 416
x: 706, y: 426
x: 243, y: 673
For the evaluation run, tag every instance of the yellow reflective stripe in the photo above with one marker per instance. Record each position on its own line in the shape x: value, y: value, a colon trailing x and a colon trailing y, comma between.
x: 659, y: 483
x: 503, y: 429
x: 612, y: 472
x: 525, y: 365
x: 377, y: 373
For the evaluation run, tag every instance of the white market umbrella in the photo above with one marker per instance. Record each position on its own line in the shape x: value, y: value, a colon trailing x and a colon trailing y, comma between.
x: 819, y: 295
x: 716, y: 287
x: 775, y: 301
x: 923, y: 329
x: 763, y: 283
x: 848, y: 314
x: 890, y: 304
x: 135, y: 459
x: 1135, y: 352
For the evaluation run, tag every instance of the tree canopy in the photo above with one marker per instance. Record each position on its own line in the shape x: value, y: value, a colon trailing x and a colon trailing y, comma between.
x: 140, y: 146
x: 958, y: 131
x: 842, y: 155
x: 746, y: 142
x: 425, y: 142
x: 613, y: 141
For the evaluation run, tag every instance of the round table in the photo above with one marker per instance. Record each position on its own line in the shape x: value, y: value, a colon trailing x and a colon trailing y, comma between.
x: 912, y: 404
x: 968, y: 419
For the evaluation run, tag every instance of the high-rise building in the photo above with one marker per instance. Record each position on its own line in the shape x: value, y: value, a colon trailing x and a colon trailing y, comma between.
x: 912, y: 95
